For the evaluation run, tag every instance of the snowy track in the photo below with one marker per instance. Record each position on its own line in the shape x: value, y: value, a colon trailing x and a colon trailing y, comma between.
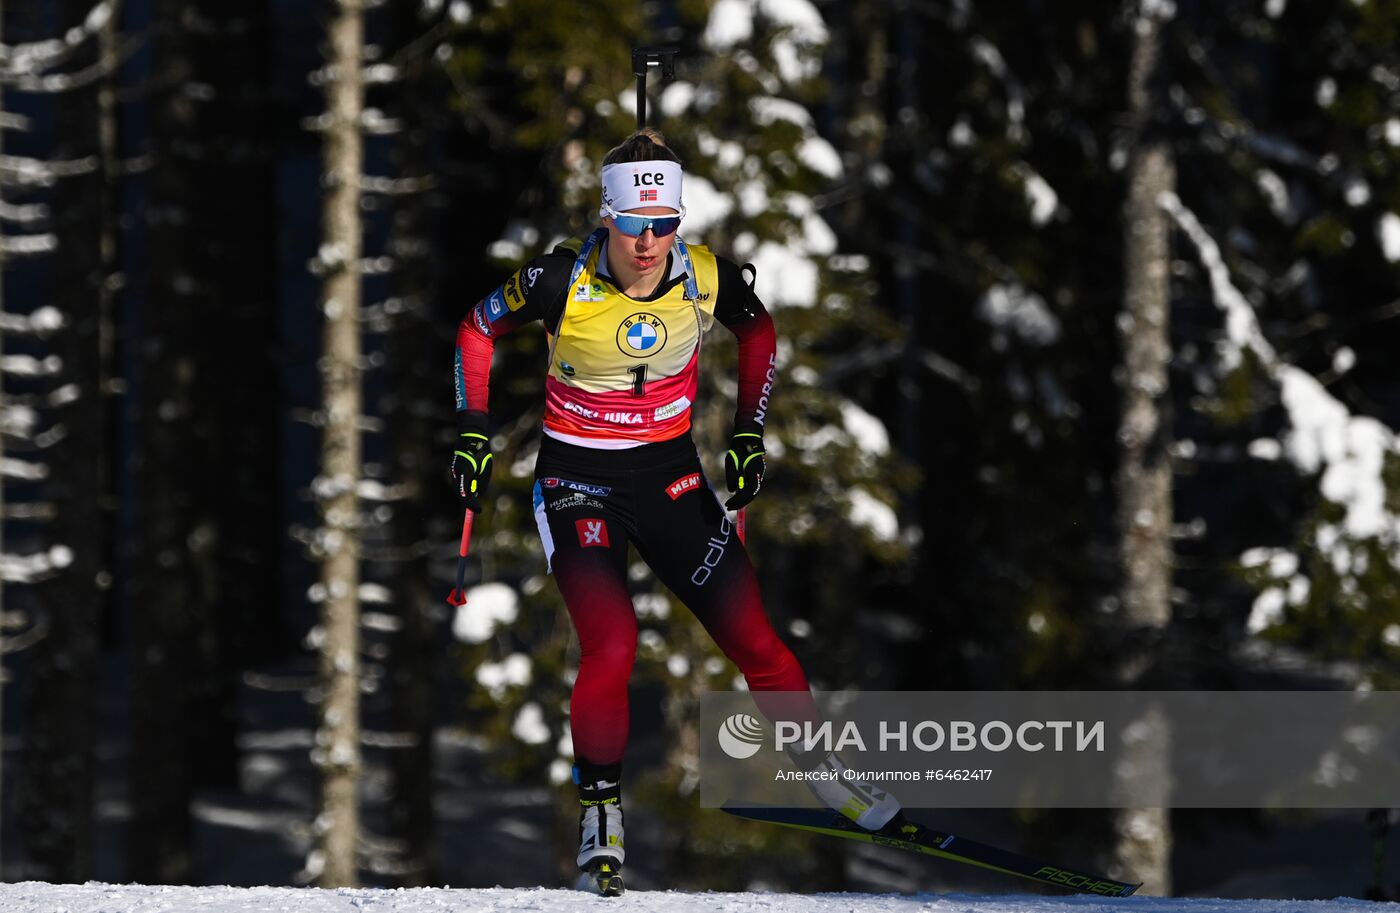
x: 33, y: 897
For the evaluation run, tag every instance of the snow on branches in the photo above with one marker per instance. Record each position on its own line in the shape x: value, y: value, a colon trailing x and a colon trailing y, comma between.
x: 1325, y: 437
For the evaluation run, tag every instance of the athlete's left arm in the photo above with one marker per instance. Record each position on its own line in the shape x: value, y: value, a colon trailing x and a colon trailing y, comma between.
x: 739, y: 309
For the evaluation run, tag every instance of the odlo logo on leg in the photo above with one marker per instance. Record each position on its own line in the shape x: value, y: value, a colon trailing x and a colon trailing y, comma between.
x: 714, y: 553
x: 592, y: 533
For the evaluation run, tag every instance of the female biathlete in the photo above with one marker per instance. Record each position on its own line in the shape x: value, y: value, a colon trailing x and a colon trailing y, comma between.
x: 625, y: 310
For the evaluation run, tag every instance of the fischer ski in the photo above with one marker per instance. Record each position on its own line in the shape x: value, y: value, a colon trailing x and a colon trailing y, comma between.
x: 915, y: 838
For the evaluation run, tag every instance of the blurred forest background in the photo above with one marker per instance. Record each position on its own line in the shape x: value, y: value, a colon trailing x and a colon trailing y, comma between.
x: 1088, y: 319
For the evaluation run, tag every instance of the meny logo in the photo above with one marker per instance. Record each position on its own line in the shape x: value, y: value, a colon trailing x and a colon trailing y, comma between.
x: 683, y: 484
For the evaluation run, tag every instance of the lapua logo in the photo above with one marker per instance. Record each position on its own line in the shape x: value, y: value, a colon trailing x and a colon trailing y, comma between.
x: 482, y: 323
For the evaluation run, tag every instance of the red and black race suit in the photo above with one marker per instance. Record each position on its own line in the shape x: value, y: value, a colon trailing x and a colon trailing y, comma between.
x: 590, y: 505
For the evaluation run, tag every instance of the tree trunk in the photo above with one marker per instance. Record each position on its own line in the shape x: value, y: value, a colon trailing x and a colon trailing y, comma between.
x: 338, y: 739
x: 1143, y: 835
x: 3, y: 502
x: 410, y: 404
x: 57, y: 801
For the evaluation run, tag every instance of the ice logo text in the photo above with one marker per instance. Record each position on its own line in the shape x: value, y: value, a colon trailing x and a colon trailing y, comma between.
x: 740, y: 736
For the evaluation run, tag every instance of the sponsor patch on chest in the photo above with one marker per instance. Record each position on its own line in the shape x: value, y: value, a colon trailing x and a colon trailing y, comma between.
x: 671, y: 410
x: 590, y: 291
x: 641, y: 334
x: 623, y: 418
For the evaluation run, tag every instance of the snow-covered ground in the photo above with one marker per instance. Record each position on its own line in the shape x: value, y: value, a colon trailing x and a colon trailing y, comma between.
x: 34, y: 897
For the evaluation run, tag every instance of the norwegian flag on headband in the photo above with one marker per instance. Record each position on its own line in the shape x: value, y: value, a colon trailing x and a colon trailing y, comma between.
x: 650, y: 183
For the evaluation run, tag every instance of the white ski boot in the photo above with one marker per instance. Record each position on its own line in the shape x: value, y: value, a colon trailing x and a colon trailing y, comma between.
x: 868, y: 806
x: 601, y: 849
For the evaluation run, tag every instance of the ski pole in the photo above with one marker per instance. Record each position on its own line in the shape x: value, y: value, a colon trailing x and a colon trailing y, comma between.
x: 458, y: 596
x: 643, y: 59
x: 741, y: 523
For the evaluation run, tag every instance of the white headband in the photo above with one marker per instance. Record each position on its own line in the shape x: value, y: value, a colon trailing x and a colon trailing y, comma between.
x: 633, y: 185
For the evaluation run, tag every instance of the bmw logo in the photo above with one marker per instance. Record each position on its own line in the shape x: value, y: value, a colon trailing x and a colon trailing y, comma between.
x: 641, y: 335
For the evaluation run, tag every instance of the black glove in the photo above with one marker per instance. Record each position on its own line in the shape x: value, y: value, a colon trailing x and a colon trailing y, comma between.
x: 743, y: 467
x: 471, y: 460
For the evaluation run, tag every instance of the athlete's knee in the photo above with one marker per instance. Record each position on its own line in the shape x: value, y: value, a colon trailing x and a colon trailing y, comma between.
x: 611, y: 656
x: 764, y: 659
x: 779, y: 671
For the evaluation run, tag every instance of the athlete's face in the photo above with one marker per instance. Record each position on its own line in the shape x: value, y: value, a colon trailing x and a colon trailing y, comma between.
x: 644, y: 253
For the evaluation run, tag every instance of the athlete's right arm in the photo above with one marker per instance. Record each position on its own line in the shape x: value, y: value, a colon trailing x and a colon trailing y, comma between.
x: 533, y: 292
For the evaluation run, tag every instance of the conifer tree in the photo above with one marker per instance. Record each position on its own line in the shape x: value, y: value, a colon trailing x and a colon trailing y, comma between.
x: 1288, y: 287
